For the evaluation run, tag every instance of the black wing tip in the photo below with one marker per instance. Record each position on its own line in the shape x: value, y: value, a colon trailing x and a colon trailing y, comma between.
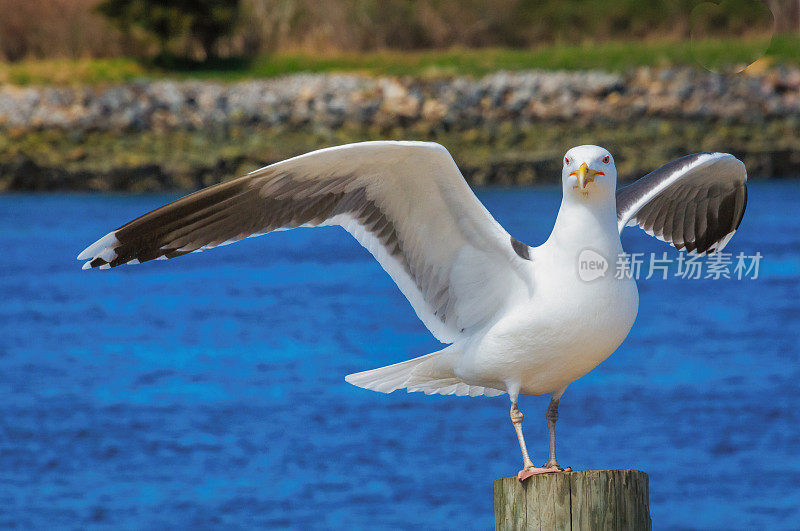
x: 522, y: 250
x: 744, y: 207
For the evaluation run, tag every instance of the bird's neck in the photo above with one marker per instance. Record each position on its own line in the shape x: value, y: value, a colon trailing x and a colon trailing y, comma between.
x: 586, y: 223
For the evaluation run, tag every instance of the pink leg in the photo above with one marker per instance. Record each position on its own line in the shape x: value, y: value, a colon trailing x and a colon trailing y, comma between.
x: 529, y: 469
x: 552, y: 417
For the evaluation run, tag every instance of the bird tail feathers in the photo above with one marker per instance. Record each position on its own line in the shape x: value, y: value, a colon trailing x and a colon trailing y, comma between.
x: 431, y: 374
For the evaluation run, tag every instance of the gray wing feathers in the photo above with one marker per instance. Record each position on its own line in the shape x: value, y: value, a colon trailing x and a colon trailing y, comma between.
x: 694, y: 202
x: 223, y: 214
x: 407, y: 203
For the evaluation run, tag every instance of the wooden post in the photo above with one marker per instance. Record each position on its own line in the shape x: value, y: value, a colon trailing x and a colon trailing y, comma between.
x: 594, y: 499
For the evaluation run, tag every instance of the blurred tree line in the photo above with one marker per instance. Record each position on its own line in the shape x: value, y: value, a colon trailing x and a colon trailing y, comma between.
x: 180, y: 27
x: 205, y: 29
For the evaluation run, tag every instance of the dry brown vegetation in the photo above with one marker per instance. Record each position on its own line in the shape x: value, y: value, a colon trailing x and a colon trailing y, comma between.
x: 72, y: 28
x: 56, y: 28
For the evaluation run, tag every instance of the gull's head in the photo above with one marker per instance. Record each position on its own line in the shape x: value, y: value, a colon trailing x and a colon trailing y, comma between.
x: 589, y: 172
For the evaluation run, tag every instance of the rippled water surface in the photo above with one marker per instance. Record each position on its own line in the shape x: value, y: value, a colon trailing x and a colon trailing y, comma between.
x: 208, y: 391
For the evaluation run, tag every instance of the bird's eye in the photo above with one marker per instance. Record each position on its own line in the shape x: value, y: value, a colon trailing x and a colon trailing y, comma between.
x: 566, y: 161
x: 606, y: 159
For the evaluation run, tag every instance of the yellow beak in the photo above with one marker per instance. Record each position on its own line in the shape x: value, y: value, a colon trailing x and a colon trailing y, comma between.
x: 585, y: 175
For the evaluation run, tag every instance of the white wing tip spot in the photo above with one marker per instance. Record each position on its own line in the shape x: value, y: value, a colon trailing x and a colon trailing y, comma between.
x: 723, y: 242
x: 101, y: 248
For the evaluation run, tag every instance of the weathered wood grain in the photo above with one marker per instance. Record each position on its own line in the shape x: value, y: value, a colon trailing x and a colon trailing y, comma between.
x: 592, y: 499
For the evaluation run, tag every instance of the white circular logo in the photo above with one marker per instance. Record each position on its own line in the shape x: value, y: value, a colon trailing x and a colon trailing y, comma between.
x: 591, y: 265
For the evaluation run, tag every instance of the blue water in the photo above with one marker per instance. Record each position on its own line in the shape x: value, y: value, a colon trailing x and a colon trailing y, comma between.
x: 208, y: 391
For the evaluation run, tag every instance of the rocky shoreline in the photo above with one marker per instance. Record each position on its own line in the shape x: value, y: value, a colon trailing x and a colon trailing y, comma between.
x: 335, y: 99
x: 756, y: 116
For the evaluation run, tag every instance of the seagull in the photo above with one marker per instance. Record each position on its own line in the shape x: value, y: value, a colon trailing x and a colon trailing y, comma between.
x: 516, y: 319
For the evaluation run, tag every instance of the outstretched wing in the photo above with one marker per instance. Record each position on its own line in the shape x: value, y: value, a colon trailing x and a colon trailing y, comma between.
x: 405, y: 202
x: 695, y: 202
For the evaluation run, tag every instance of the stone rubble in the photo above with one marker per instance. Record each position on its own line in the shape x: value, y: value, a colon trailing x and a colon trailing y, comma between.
x: 336, y: 99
